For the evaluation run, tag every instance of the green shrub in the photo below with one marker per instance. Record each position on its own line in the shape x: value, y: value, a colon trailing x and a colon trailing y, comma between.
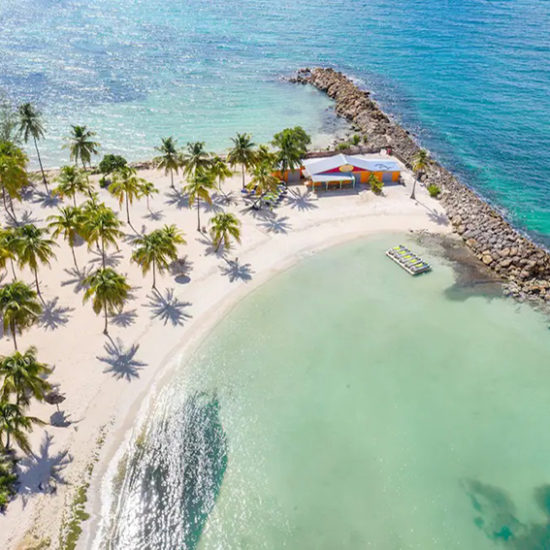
x: 356, y: 139
x: 375, y: 184
x: 108, y: 165
x: 365, y: 138
x: 343, y: 146
x: 433, y: 190
x: 8, y: 479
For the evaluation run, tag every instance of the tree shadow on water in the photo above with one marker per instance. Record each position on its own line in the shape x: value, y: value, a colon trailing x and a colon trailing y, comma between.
x: 121, y: 362
x: 496, y: 517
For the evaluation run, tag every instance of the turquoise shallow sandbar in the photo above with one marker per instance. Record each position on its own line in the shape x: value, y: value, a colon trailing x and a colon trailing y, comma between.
x: 388, y: 412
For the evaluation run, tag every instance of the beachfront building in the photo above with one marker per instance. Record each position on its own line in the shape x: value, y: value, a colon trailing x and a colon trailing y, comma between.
x: 342, y: 170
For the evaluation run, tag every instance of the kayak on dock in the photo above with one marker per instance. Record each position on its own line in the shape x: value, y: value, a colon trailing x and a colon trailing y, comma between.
x: 410, y: 262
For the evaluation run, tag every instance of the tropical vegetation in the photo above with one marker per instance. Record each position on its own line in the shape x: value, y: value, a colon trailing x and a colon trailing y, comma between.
x: 225, y: 227
x: 109, y: 291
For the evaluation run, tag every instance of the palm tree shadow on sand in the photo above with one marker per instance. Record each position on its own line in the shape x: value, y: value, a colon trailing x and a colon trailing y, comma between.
x: 302, y: 201
x: 121, y: 361
x: 54, y: 316
x: 176, y: 198
x: 42, y: 472
x: 496, y: 516
x: 77, y: 278
x: 236, y: 271
x: 124, y: 319
x: 276, y: 224
x: 168, y: 308
x: 46, y: 200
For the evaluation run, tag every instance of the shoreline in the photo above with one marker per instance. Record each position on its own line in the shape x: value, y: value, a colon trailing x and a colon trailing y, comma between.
x: 514, y: 256
x: 109, y: 386
x: 123, y: 435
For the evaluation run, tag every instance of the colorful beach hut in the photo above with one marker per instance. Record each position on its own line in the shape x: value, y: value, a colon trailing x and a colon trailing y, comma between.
x: 349, y: 170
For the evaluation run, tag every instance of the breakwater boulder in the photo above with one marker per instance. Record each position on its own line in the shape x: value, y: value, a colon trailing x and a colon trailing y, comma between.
x: 520, y: 263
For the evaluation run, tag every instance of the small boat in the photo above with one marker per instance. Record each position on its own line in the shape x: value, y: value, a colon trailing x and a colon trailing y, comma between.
x: 411, y: 263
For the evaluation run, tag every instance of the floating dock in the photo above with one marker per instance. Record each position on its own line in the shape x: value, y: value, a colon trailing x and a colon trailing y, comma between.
x: 411, y: 263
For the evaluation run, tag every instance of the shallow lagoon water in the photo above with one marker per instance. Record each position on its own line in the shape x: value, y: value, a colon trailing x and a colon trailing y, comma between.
x: 345, y: 404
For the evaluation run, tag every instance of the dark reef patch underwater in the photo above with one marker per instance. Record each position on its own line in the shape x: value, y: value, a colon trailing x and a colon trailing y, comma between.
x: 497, y: 517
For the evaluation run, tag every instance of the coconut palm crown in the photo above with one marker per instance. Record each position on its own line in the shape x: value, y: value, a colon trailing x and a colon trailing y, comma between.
x: 31, y: 125
x: 19, y: 308
x: 224, y: 227
x: 242, y: 153
x: 109, y: 292
x: 82, y: 145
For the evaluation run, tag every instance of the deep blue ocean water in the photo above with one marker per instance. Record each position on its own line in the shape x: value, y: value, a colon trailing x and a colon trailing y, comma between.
x: 470, y: 77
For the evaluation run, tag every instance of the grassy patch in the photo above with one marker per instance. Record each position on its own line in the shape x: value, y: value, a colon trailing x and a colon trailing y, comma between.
x: 71, y: 524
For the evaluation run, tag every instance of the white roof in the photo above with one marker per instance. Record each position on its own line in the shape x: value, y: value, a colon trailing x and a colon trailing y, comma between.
x: 324, y: 164
x: 332, y: 177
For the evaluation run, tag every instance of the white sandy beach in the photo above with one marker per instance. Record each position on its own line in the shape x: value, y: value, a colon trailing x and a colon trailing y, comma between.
x: 106, y: 384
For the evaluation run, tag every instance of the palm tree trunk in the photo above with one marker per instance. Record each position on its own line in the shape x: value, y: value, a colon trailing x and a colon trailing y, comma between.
x: 74, y: 258
x: 74, y: 199
x: 103, y: 252
x: 7, y: 440
x: 41, y: 167
x: 413, y: 189
x: 154, y: 275
x: 127, y: 209
x: 198, y: 214
x: 6, y: 205
x: 36, y: 282
x: 13, y: 269
x: 172, y: 179
x: 105, y: 329
x: 242, y: 169
x: 147, y: 202
x: 13, y: 334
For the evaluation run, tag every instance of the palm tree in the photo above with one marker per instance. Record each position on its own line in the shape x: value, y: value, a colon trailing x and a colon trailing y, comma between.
x: 81, y: 145
x: 24, y: 376
x: 19, y: 308
x: 13, y: 424
x: 30, y: 125
x: 198, y: 189
x: 157, y: 249
x: 71, y: 181
x: 265, y: 155
x: 173, y: 237
x: 291, y: 146
x: 169, y: 159
x: 220, y: 171
x: 195, y: 159
x: 147, y: 189
x: 126, y: 186
x: 68, y: 224
x: 242, y: 152
x: 8, y: 248
x: 109, y: 290
x: 100, y: 226
x: 420, y: 162
x: 13, y: 174
x: 263, y: 181
x: 224, y: 227
x: 33, y: 248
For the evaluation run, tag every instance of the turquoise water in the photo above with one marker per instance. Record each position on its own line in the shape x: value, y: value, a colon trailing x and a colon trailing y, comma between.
x: 471, y: 77
x: 346, y: 405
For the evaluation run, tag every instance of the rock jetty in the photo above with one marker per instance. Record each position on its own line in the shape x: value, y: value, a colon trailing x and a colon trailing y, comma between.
x: 521, y: 264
